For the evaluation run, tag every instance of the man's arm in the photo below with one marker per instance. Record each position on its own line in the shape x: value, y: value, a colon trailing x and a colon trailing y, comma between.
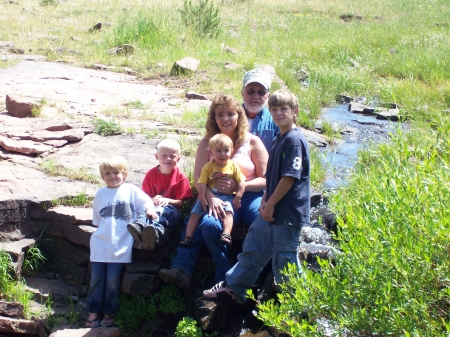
x: 282, y: 188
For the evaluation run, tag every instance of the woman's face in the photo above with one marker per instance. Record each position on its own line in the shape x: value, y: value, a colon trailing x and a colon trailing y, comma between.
x: 226, y: 120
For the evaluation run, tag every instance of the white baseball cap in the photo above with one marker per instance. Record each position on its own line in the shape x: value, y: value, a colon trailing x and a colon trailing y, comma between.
x: 257, y: 76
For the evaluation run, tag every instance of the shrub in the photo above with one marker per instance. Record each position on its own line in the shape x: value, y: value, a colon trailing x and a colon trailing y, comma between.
x: 188, y: 328
x: 107, y: 128
x: 204, y: 16
x: 392, y: 275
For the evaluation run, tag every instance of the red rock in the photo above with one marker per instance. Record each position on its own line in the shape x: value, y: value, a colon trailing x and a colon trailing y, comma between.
x: 19, y: 106
x: 21, y: 326
x: 23, y: 146
x: 97, y: 332
x: 11, y: 309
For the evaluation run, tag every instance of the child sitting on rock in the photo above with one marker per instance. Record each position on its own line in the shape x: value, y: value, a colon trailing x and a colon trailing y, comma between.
x: 220, y: 167
x: 115, y: 205
x: 169, y: 188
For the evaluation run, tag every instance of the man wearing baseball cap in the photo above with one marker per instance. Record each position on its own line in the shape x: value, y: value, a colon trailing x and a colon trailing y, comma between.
x: 255, y: 93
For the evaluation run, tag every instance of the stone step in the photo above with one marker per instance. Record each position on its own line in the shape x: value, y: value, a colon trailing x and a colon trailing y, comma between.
x: 17, y: 250
x: 70, y: 215
x: 21, y: 327
x: 59, y: 292
x: 96, y: 332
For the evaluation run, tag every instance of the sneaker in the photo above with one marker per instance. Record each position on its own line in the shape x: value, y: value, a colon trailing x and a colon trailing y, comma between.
x: 135, y: 229
x: 149, y: 237
x: 219, y: 291
x: 176, y: 276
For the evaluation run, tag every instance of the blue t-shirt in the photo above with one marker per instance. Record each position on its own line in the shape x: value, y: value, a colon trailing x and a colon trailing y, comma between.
x: 264, y: 127
x: 289, y: 156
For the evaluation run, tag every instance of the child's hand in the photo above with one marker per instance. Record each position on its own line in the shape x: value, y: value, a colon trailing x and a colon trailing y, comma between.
x: 266, y: 211
x: 151, y: 214
x: 163, y: 202
x: 237, y: 202
x: 204, y: 203
x: 159, y: 200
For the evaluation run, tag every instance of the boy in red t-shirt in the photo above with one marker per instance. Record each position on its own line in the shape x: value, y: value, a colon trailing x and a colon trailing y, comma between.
x: 169, y: 188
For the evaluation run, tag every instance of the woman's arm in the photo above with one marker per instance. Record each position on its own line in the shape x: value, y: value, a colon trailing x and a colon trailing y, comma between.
x: 259, y: 157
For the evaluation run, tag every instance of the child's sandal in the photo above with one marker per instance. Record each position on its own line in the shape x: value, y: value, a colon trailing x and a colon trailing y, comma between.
x: 187, y: 241
x: 226, y: 239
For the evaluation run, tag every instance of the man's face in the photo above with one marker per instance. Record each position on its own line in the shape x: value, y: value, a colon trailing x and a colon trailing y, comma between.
x: 255, y: 97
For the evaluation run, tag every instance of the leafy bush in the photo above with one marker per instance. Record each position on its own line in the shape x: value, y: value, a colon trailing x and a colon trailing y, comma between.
x: 107, y: 128
x: 204, y: 16
x: 392, y: 276
x: 188, y: 328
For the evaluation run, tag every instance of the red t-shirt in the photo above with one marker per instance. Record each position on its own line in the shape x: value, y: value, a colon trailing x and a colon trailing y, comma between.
x: 173, y: 186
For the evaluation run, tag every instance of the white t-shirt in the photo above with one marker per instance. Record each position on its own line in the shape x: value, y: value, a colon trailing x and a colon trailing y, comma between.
x: 114, y: 209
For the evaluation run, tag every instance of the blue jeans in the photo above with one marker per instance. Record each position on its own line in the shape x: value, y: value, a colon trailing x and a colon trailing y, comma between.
x: 103, y: 296
x: 264, y: 241
x: 228, y: 207
x: 208, y: 232
x: 168, y: 217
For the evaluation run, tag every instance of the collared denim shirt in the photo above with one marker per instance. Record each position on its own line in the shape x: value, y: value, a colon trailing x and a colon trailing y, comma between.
x: 264, y: 127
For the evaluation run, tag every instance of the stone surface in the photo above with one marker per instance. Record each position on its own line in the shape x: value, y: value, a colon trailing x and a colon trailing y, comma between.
x: 59, y: 291
x: 24, y: 146
x: 19, y: 106
x: 185, y: 65
x: 139, y: 284
x: 70, y: 215
x: 21, y: 326
x: 11, y: 309
x: 97, y: 332
x: 143, y: 267
x: 194, y: 95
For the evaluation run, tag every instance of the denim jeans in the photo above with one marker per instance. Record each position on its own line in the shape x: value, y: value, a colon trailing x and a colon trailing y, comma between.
x: 168, y: 217
x: 264, y: 241
x: 208, y: 232
x: 228, y: 207
x: 103, y: 296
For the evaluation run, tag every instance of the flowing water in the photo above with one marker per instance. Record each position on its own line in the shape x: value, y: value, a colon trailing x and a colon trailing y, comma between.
x: 359, y: 132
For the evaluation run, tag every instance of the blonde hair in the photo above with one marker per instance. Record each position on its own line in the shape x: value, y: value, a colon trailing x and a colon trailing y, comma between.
x: 118, y: 163
x: 220, y: 140
x: 222, y: 101
x: 283, y: 97
x: 169, y: 144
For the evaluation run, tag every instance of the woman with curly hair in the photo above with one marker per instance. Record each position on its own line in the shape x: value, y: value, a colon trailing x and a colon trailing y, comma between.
x: 225, y: 116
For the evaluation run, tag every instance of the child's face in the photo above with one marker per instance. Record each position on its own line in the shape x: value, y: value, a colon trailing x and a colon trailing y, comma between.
x: 221, y: 153
x: 167, y: 159
x: 283, y: 116
x: 114, y: 178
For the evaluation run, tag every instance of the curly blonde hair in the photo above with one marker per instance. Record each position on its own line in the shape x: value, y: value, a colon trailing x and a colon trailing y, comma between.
x: 222, y: 101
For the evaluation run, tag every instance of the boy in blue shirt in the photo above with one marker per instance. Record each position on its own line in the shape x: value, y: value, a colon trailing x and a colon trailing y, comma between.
x: 284, y: 210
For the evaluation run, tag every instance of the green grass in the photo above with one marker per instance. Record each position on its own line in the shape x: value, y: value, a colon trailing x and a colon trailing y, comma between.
x: 81, y: 174
x: 80, y: 200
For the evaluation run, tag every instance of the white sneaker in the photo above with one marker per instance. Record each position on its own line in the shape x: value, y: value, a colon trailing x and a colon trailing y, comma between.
x: 219, y: 291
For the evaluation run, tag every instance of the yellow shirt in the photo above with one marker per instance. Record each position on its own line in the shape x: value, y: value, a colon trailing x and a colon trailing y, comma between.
x: 211, y: 172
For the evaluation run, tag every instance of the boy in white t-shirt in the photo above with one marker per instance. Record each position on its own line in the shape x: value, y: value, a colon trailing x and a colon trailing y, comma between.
x: 115, y: 205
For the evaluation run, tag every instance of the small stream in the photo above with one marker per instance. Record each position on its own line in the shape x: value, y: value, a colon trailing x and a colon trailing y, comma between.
x: 359, y: 131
